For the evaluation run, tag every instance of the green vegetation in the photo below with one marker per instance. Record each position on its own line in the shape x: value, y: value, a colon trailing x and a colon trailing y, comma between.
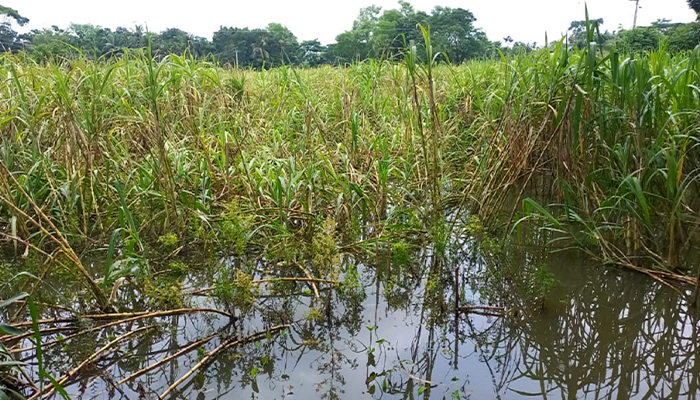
x: 375, y: 34
x: 695, y: 5
x: 119, y: 155
x: 141, y: 157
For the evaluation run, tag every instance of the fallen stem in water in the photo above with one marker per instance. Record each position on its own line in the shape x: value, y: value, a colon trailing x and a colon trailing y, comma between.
x: 212, y: 354
x: 50, y: 389
x: 311, y: 280
x: 129, y: 316
x: 180, y: 353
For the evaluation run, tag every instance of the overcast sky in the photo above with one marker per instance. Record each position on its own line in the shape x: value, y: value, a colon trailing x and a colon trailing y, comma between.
x: 525, y: 21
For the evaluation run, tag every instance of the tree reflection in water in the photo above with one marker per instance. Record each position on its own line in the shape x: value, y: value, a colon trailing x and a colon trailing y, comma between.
x: 391, y: 331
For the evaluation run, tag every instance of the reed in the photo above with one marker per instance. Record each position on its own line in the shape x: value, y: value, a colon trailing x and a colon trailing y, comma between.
x: 114, y: 154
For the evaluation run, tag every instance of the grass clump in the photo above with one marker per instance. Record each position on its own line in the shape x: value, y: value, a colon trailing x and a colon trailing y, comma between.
x: 169, y: 240
x: 163, y: 293
x: 179, y: 268
x: 400, y: 254
x: 235, y: 229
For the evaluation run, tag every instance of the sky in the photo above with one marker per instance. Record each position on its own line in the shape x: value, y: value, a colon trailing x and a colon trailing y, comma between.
x: 525, y: 21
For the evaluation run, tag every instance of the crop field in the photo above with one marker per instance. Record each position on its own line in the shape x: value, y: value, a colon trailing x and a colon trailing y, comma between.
x: 117, y: 173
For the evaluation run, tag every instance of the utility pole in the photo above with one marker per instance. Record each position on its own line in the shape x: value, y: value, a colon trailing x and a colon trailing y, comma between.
x: 636, y: 11
x: 236, y: 58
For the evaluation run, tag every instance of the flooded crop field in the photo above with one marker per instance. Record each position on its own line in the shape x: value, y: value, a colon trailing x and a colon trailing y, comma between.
x: 523, y: 225
x: 391, y: 329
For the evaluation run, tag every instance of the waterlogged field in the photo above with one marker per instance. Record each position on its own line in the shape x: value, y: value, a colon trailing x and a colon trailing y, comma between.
x: 174, y: 228
x: 388, y: 332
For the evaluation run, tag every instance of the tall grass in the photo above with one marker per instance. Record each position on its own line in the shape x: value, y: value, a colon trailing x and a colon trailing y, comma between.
x: 619, y: 138
x: 115, y: 154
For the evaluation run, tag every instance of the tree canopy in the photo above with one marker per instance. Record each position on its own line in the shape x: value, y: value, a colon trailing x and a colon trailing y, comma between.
x: 695, y: 5
x: 258, y: 48
x: 12, y: 13
x: 375, y: 33
x: 10, y: 40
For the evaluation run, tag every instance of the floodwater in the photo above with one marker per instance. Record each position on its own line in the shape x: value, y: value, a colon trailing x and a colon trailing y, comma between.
x: 391, y: 332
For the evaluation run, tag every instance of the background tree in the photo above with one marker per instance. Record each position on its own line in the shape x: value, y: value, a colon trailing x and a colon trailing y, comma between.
x: 519, y: 48
x: 91, y: 39
x: 53, y: 42
x: 577, y: 36
x: 8, y: 12
x: 397, y: 28
x: 639, y: 39
x: 375, y: 33
x: 385, y: 36
x: 356, y: 44
x: 665, y: 26
x: 10, y: 40
x: 240, y: 47
x: 177, y: 41
x: 312, y: 53
x: 124, y: 38
x: 258, y: 48
x: 281, y: 45
x: 684, y: 37
x: 454, y: 34
x: 695, y: 5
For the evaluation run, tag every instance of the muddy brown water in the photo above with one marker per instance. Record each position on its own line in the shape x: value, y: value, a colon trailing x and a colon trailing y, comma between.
x: 599, y: 333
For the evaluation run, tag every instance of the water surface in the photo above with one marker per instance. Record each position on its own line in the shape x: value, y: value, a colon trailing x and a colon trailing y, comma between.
x: 391, y: 332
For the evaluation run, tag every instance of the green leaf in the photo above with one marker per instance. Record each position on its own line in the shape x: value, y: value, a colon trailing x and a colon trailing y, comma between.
x: 530, y: 204
x: 10, y: 393
x: 371, y: 361
x: 11, y: 363
x: 59, y: 388
x: 6, y: 329
x: 13, y: 300
x: 255, y: 386
x: 636, y: 188
x: 37, y: 341
x: 25, y: 273
x: 109, y: 264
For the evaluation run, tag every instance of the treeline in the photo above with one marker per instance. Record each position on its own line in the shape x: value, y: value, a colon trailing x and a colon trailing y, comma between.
x: 376, y: 33
x: 673, y: 37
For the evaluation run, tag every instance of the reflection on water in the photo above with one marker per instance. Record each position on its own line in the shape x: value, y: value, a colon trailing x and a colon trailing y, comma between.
x: 610, y: 335
x: 390, y: 331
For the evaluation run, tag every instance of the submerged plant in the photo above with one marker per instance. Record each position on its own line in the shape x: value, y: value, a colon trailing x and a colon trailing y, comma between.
x: 235, y: 229
x: 400, y: 254
x: 236, y: 293
x: 324, y: 249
